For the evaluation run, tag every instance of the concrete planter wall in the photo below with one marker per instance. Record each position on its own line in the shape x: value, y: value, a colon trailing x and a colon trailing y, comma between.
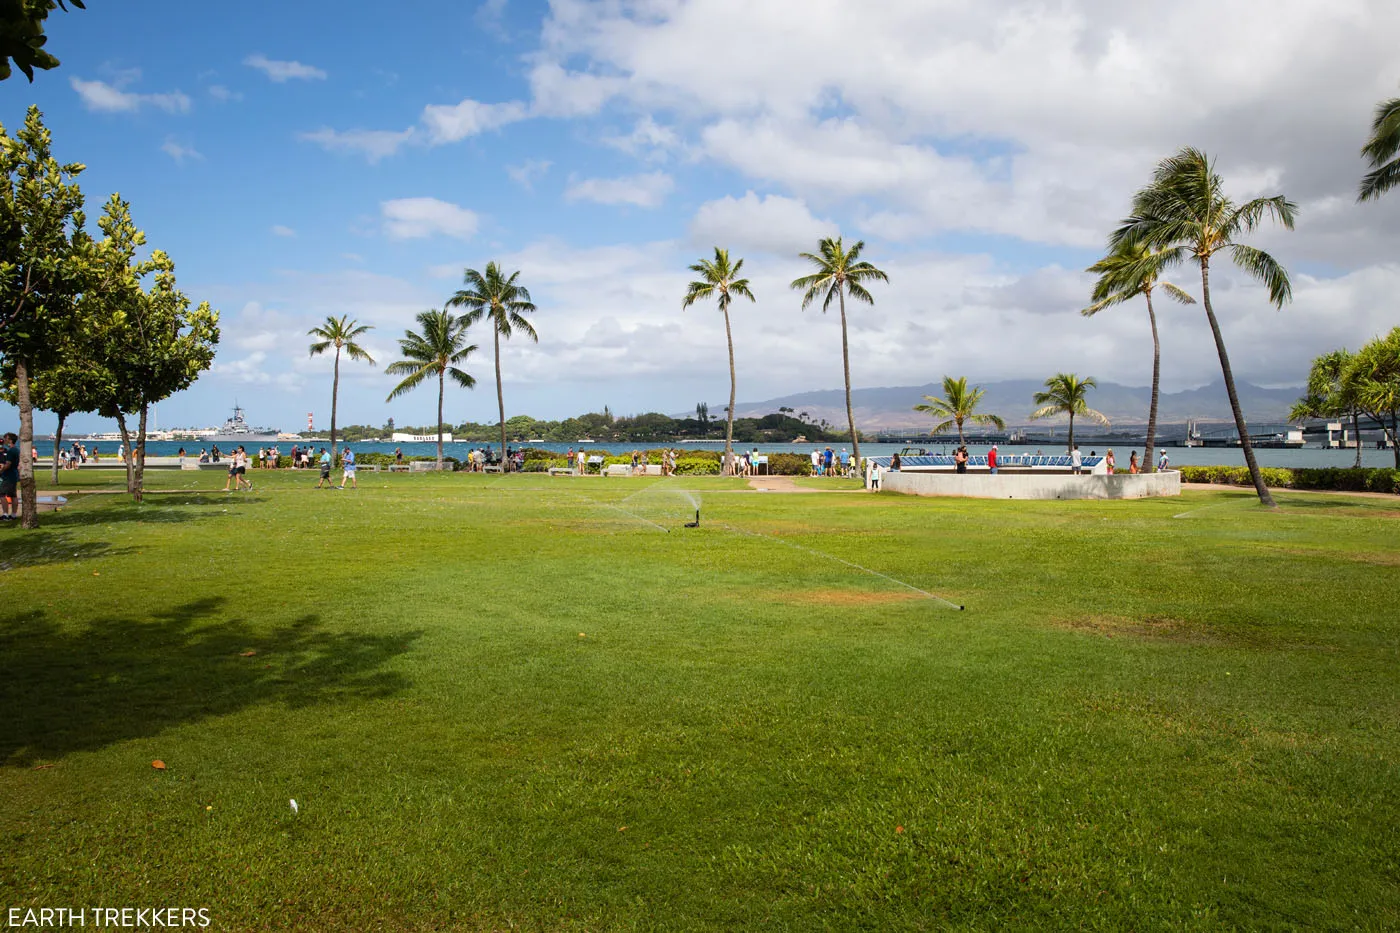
x: 1034, y: 485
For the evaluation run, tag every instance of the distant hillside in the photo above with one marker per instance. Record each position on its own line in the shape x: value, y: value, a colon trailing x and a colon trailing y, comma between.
x: 892, y: 407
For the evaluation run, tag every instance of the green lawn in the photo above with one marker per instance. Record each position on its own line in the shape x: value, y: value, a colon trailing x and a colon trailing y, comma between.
x: 542, y: 704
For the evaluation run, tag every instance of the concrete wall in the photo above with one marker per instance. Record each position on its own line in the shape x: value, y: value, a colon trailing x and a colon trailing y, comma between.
x: 1034, y: 485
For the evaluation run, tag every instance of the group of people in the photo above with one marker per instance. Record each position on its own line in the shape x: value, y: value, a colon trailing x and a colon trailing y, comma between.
x: 1111, y: 462
x: 70, y: 458
x: 829, y: 463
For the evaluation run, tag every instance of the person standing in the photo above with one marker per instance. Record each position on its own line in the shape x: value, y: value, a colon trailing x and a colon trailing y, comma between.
x: 895, y: 464
x: 875, y: 476
x: 992, y: 459
x: 9, y: 476
x: 1076, y: 461
x: 1164, y: 462
x: 1108, y: 459
x: 959, y: 459
x: 398, y: 456
x: 1133, y: 463
x: 325, y: 462
x: 348, y: 477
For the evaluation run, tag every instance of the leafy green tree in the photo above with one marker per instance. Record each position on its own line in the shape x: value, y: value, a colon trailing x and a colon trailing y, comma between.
x: 702, y: 415
x: 500, y: 299
x: 1331, y: 393
x: 44, y: 267
x: 22, y: 36
x: 152, y: 343
x: 1067, y: 394
x: 1128, y: 271
x: 439, y: 346
x: 1374, y: 376
x: 73, y: 384
x: 840, y: 272
x: 957, y: 406
x: 340, y: 333
x: 1184, y: 213
x: 719, y: 279
x: 1382, y: 151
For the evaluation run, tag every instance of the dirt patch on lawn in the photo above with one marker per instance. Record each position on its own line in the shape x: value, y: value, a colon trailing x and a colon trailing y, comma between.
x: 843, y: 598
x: 1154, y: 627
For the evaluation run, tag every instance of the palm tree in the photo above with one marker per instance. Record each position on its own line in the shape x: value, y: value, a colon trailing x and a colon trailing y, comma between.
x: 1382, y: 150
x: 1066, y: 394
x: 1185, y: 214
x: 720, y: 280
x: 439, y: 348
x: 958, y: 405
x: 339, y: 332
x: 1331, y: 393
x: 1124, y: 273
x: 840, y: 271
x: 496, y: 296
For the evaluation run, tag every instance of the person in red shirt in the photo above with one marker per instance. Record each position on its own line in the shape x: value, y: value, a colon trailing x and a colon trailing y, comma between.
x: 992, y: 459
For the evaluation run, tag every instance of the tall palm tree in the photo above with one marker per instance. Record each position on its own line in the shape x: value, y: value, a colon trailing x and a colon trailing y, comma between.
x: 1382, y: 150
x: 1331, y: 393
x: 497, y: 297
x: 1185, y: 214
x: 958, y: 405
x: 339, y: 332
x: 1130, y: 270
x: 438, y: 348
x: 840, y: 271
x: 720, y: 280
x: 1067, y: 394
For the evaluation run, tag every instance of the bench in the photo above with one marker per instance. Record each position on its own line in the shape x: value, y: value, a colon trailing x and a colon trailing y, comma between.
x: 428, y: 466
x: 399, y: 468
x: 618, y: 469
x: 561, y: 471
x: 493, y: 468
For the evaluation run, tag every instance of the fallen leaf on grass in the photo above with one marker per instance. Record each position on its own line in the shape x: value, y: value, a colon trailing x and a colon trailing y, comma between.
x: 246, y: 654
x: 158, y: 765
x: 622, y: 829
x: 43, y: 767
x: 899, y: 829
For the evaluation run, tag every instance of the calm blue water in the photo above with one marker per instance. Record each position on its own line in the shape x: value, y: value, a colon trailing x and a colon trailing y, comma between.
x: 1180, y: 456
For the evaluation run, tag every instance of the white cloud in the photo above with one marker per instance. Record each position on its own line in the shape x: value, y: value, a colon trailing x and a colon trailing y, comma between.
x: 107, y: 98
x: 648, y: 140
x: 178, y: 152
x: 559, y: 93
x: 528, y: 172
x: 279, y: 230
x: 412, y: 218
x: 647, y: 190
x: 772, y: 224
x: 372, y: 144
x: 280, y: 72
x: 219, y: 92
x: 447, y: 123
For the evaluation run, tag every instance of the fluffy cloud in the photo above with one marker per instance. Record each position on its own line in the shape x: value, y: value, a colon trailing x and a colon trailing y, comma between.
x: 372, y: 144
x: 109, y: 98
x: 280, y: 72
x: 447, y: 123
x: 528, y: 172
x: 772, y: 224
x: 413, y: 218
x: 647, y: 190
x: 219, y: 92
x: 179, y: 152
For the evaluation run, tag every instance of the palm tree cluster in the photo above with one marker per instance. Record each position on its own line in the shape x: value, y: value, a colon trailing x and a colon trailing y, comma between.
x: 440, y: 346
x: 838, y: 272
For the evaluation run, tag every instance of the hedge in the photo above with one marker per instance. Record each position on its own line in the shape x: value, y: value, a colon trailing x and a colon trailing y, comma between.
x: 1342, y: 479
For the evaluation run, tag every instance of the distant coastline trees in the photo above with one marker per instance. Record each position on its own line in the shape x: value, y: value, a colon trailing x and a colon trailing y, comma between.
x: 957, y: 406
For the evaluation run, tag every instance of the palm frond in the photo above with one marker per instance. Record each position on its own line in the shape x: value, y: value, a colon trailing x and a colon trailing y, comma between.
x: 462, y: 377
x: 1380, y: 151
x: 1248, y: 216
x: 1177, y: 294
x: 1266, y: 269
x: 1378, y: 182
x: 414, y: 380
x: 357, y: 352
x: 319, y: 348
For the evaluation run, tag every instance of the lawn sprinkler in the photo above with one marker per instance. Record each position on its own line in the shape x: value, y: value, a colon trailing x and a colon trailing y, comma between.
x: 696, y: 523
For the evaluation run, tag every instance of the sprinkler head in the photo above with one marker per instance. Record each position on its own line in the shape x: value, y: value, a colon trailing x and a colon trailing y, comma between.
x: 696, y: 523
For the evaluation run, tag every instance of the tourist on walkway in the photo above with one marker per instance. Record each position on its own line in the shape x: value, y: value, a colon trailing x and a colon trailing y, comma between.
x: 325, y: 479
x: 992, y: 459
x: 1108, y: 459
x: 1164, y: 462
x: 1133, y: 463
x: 9, y: 476
x: 348, y: 476
x: 1076, y: 461
x: 960, y: 459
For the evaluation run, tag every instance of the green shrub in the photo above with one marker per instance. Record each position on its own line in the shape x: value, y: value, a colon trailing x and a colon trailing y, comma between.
x: 789, y: 464
x: 696, y: 466
x: 1332, y: 479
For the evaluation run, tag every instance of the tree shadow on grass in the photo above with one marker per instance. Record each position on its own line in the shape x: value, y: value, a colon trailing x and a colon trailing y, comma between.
x: 37, y: 548
x: 155, y: 510
x: 66, y: 689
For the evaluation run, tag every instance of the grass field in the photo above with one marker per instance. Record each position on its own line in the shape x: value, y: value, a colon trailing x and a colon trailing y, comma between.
x: 543, y: 704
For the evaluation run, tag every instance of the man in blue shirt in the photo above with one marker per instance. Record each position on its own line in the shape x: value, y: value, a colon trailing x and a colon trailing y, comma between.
x: 9, y: 476
x: 349, y: 476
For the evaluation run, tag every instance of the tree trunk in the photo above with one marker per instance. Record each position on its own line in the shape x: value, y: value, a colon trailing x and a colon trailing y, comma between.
x: 846, y: 367
x: 1356, y: 433
x: 1394, y: 437
x: 28, y: 496
x: 126, y: 446
x: 729, y: 423
x: 58, y: 445
x: 501, y: 400
x: 1071, y: 431
x: 138, y: 458
x: 962, y: 441
x: 439, y: 426
x: 1148, y: 464
x: 1240, y: 426
x: 335, y: 394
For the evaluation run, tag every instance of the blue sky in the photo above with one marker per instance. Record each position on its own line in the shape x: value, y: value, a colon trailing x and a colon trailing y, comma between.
x: 299, y: 160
